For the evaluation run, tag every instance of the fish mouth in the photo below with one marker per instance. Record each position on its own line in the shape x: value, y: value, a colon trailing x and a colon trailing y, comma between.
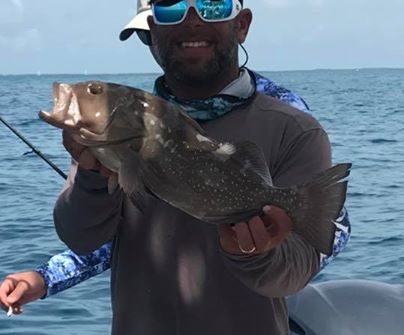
x: 61, y: 91
x: 65, y: 113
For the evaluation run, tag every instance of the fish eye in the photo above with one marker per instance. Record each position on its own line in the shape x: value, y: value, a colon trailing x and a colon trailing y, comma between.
x: 94, y: 89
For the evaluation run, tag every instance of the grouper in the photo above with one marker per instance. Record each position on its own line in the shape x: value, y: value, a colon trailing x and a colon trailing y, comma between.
x: 155, y: 147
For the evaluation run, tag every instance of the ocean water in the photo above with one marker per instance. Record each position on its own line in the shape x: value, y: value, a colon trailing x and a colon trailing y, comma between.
x: 362, y: 110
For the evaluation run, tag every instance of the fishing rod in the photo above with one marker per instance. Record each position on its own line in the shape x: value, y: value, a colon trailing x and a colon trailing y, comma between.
x: 34, y: 149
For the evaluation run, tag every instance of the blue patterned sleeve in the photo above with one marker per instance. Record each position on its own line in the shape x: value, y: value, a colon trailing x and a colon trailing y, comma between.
x: 269, y: 87
x: 67, y: 269
x: 342, y: 235
x: 343, y: 231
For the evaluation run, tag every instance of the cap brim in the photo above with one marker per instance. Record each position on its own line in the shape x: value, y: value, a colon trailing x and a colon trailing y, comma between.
x: 139, y: 22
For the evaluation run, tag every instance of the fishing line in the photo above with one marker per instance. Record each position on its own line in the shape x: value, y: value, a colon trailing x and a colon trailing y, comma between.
x: 34, y: 149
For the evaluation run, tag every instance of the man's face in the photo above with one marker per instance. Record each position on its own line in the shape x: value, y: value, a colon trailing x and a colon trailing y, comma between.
x: 196, y: 52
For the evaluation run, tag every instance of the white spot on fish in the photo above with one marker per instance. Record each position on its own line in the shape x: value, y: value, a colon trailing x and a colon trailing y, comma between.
x: 226, y: 148
x: 97, y: 114
x: 145, y: 104
x: 152, y: 122
x: 202, y: 138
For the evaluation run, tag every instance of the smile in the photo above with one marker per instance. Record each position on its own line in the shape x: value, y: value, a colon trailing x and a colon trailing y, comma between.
x: 197, y: 44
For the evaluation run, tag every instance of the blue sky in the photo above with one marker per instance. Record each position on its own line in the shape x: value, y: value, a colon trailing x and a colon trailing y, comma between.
x: 78, y: 36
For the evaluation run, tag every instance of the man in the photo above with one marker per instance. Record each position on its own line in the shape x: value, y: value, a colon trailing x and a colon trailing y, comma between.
x: 170, y: 274
x: 54, y: 273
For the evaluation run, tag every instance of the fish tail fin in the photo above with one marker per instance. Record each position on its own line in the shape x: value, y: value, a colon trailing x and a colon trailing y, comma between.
x: 317, y: 206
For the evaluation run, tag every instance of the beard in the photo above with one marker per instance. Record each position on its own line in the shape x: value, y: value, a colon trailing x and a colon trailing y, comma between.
x: 197, y: 72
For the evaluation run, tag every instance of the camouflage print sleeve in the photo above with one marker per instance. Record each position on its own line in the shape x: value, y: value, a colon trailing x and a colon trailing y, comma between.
x: 270, y: 88
x: 67, y: 269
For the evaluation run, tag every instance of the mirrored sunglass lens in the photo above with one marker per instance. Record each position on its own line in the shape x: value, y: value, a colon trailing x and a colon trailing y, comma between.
x: 212, y: 10
x: 168, y: 11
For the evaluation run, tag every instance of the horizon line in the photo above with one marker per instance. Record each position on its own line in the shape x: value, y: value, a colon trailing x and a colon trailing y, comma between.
x: 85, y: 73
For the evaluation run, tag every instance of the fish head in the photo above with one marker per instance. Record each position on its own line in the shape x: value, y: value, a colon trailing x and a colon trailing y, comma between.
x: 98, y: 113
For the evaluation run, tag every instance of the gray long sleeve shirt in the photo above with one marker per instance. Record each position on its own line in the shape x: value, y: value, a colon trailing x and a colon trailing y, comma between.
x: 169, y: 274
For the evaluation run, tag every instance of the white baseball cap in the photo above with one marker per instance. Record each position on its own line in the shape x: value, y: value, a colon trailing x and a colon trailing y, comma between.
x: 139, y: 23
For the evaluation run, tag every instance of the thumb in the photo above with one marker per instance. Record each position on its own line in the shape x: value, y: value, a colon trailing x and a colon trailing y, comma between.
x: 18, y: 293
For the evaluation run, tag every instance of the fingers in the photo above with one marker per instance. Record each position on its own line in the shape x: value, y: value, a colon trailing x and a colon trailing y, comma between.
x: 16, y: 296
x: 21, y: 288
x: 228, y: 239
x: 278, y: 224
x: 86, y: 159
x: 83, y: 156
x: 10, y: 294
x: 75, y: 149
x: 6, y: 287
x: 80, y: 153
x: 244, y: 238
x: 258, y: 235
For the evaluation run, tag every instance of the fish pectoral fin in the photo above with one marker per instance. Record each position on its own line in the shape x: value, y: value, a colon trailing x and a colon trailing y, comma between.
x: 250, y: 157
x: 112, y: 183
x: 130, y: 178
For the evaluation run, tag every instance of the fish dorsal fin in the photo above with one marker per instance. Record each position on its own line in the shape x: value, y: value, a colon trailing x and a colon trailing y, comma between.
x: 250, y: 156
x: 191, y: 122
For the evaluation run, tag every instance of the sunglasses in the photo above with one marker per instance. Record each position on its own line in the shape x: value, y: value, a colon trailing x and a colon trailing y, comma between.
x: 167, y: 12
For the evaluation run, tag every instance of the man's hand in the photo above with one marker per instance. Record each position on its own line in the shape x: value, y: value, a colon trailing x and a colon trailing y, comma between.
x: 83, y: 156
x: 258, y: 235
x: 21, y: 288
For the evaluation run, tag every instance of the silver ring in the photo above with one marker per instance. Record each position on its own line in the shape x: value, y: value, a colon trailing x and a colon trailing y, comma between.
x: 247, y: 251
